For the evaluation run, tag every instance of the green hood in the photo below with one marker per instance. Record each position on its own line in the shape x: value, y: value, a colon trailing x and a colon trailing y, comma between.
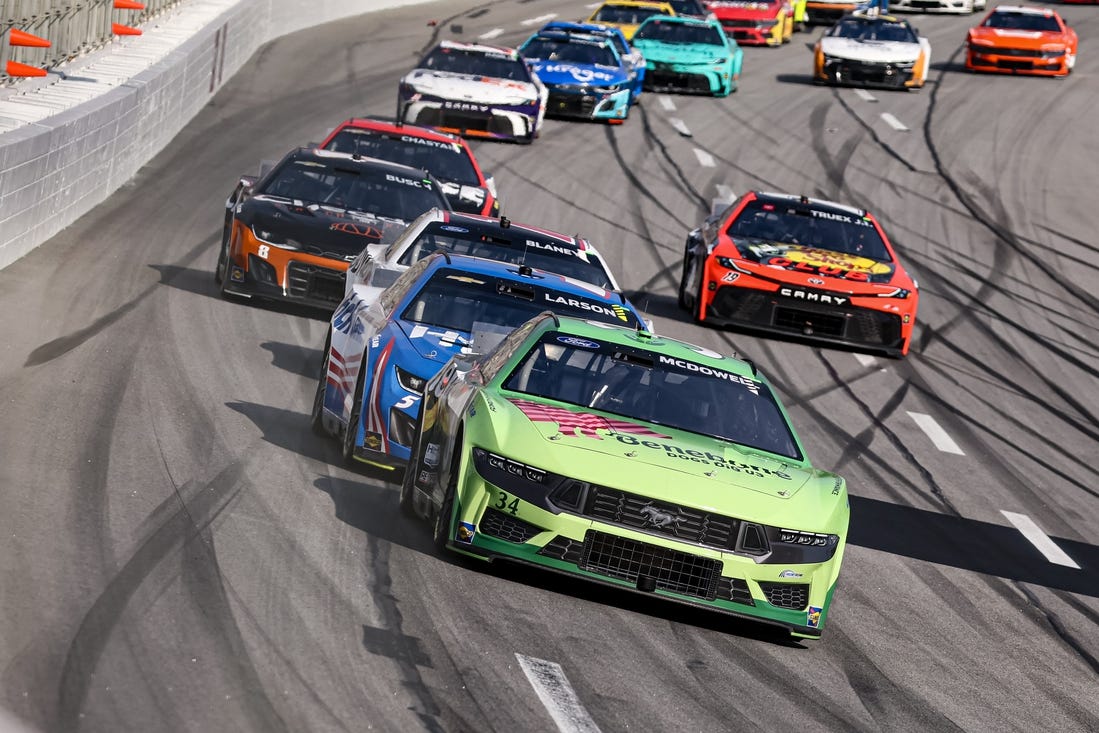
x: 662, y: 463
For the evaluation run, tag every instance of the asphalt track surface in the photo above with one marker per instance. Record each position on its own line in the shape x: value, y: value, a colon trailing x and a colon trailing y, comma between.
x: 180, y: 553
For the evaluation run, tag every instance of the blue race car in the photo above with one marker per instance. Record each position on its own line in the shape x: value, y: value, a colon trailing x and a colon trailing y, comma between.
x: 378, y: 357
x: 688, y: 55
x: 633, y: 58
x: 584, y: 75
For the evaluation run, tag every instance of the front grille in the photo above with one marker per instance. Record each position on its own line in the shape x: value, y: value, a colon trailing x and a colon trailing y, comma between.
x: 666, y: 79
x: 564, y: 549
x: 1023, y: 52
x: 739, y: 23
x: 402, y: 427
x: 1011, y: 64
x: 867, y: 72
x: 679, y: 522
x: 669, y: 570
x: 787, y: 595
x: 317, y: 283
x: 809, y: 322
x: 735, y: 590
x: 573, y: 105
x: 506, y: 527
x: 742, y: 305
x: 486, y: 122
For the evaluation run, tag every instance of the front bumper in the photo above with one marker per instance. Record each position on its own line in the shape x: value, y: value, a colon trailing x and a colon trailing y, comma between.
x: 491, y: 523
x: 588, y: 103
x: 688, y: 78
x: 286, y: 275
x: 756, y: 33
x: 932, y: 6
x: 867, y: 73
x: 471, y: 119
x: 1016, y: 61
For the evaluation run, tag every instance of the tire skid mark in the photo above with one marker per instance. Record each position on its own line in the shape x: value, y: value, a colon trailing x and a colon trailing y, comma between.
x: 638, y: 185
x: 445, y: 23
x: 106, y: 611
x: 869, y: 129
x: 686, y: 185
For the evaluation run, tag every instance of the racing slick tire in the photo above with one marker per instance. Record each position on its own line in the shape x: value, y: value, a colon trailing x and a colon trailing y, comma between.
x: 222, y: 269
x: 440, y: 534
x: 316, y: 415
x: 347, y: 438
x: 407, y: 502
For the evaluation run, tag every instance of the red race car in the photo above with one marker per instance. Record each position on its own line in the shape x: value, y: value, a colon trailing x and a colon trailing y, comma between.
x: 755, y: 22
x: 801, y: 266
x: 1017, y: 39
x: 447, y: 157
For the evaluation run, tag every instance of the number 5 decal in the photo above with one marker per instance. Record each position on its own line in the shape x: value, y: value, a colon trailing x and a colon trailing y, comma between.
x: 407, y: 401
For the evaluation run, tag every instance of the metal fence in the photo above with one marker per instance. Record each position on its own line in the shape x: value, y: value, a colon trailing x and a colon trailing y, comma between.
x: 73, y: 27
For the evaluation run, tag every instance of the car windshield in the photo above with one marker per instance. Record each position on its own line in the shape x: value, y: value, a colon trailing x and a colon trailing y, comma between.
x: 576, y: 52
x: 625, y: 14
x: 654, y: 388
x: 476, y: 63
x: 877, y: 30
x: 456, y: 300
x: 446, y: 161
x: 810, y: 227
x: 659, y: 30
x: 509, y: 245
x: 354, y: 187
x: 1021, y: 21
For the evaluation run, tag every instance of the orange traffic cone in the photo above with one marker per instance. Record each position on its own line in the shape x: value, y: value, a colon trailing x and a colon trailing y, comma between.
x: 17, y: 37
x: 128, y: 5
x: 14, y: 68
x: 124, y: 30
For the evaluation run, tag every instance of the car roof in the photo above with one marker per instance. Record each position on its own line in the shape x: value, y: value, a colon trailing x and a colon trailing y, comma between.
x: 682, y: 20
x: 658, y: 343
x: 821, y: 203
x: 873, y: 18
x: 358, y: 161
x: 509, y: 271
x: 388, y: 126
x: 492, y: 223
x: 555, y: 34
x: 480, y: 48
x: 638, y: 3
x: 1024, y: 9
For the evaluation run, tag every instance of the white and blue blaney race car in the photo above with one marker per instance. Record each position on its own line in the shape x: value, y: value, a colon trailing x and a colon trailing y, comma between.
x: 474, y: 90
x: 585, y: 76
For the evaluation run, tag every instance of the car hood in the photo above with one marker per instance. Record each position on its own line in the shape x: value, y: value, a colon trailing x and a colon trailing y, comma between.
x: 744, y: 10
x: 556, y: 72
x: 619, y: 440
x: 879, y: 51
x: 318, y: 229
x: 679, y: 53
x: 469, y: 87
x: 1008, y: 38
x: 433, y: 343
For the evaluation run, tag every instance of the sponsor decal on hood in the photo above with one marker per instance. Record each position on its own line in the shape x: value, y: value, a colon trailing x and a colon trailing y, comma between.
x: 558, y: 73
x: 880, y: 51
x: 818, y: 261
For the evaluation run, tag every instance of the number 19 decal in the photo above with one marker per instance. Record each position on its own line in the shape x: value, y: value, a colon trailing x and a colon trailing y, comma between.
x: 503, y: 504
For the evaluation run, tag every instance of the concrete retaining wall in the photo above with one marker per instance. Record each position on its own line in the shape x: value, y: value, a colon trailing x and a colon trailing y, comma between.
x: 54, y: 171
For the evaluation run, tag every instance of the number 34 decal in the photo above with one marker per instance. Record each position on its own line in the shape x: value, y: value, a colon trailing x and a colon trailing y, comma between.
x: 503, y: 503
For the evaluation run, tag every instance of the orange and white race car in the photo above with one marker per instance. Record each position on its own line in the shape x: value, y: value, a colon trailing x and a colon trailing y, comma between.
x: 1020, y: 39
x: 800, y: 266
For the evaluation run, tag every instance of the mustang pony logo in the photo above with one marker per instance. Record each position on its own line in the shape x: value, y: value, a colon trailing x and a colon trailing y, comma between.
x: 660, y: 519
x: 586, y: 423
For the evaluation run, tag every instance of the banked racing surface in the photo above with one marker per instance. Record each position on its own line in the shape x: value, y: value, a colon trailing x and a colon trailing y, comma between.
x: 181, y: 553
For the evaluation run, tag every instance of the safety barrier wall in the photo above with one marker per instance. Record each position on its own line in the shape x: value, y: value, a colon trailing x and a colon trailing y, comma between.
x: 73, y: 28
x: 54, y: 171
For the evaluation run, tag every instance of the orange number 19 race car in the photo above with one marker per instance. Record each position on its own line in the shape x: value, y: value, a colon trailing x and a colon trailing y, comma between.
x: 800, y: 266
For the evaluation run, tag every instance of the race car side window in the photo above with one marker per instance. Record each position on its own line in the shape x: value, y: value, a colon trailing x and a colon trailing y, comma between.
x: 396, y: 292
x: 507, y: 348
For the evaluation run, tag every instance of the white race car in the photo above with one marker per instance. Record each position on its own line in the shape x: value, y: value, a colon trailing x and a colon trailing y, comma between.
x: 872, y: 50
x: 938, y: 6
x: 474, y: 90
x: 378, y: 267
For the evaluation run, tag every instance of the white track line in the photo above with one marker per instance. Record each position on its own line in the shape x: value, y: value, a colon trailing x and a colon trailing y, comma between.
x: 539, y: 19
x: 894, y: 122
x: 722, y: 190
x: 666, y: 102
x: 592, y: 6
x: 489, y: 35
x: 680, y: 126
x: 934, y: 431
x: 866, y: 360
x: 1039, y: 539
x: 555, y: 692
x: 865, y: 95
x: 705, y: 159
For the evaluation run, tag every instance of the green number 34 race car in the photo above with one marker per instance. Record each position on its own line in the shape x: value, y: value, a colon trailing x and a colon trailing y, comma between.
x: 634, y: 460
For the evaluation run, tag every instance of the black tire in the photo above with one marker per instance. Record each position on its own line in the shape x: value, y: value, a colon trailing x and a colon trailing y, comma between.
x: 441, y: 533
x: 684, y: 299
x: 222, y: 270
x: 347, y: 438
x: 408, y: 485
x: 316, y: 415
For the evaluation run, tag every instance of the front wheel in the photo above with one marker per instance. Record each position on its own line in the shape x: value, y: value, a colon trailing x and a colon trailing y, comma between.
x: 316, y: 415
x: 351, y: 431
x: 222, y: 270
x: 408, y: 485
x: 443, y: 520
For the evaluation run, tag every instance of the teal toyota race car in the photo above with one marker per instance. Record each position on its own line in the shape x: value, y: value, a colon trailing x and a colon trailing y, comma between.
x: 629, y: 459
x: 688, y: 55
